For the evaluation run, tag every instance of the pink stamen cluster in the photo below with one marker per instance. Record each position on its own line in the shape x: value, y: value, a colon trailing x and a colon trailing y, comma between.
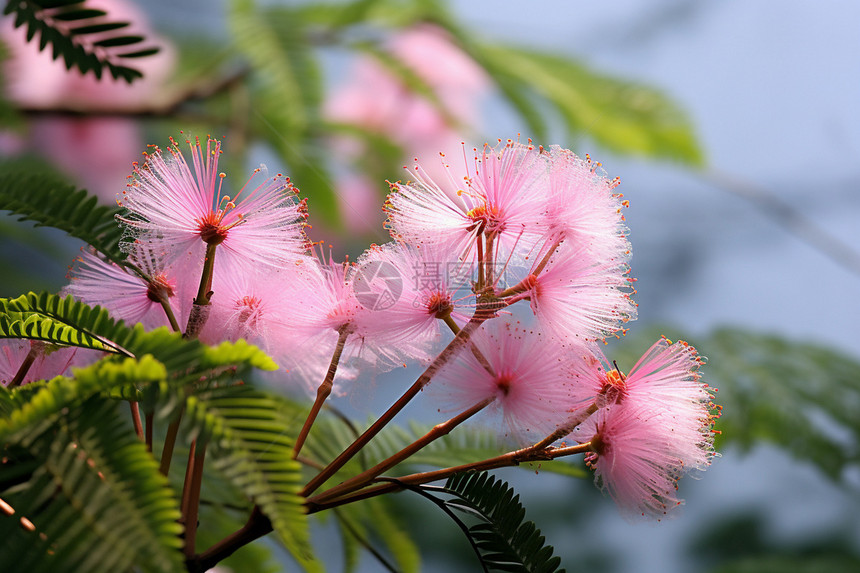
x: 527, y: 224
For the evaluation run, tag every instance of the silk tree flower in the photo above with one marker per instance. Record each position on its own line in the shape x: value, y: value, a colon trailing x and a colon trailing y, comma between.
x: 417, y: 288
x: 177, y: 209
x: 328, y: 307
x: 575, y: 296
x: 129, y: 297
x: 258, y: 306
x: 518, y: 366
x: 657, y: 425
x: 584, y: 210
x: 505, y: 198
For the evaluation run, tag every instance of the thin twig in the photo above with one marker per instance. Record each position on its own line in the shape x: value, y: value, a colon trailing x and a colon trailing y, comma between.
x: 435, y: 433
x: 447, y: 353
x: 323, y: 391
x: 135, y: 419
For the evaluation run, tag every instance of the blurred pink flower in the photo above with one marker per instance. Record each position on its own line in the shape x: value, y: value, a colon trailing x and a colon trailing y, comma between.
x: 95, y: 151
x: 50, y: 361
x: 374, y: 99
x: 129, y: 297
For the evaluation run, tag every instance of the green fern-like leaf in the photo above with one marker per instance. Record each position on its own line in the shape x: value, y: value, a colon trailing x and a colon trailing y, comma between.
x: 71, y: 321
x: 84, y: 37
x: 94, y: 498
x: 506, y: 542
x: 36, y: 408
x: 30, y: 191
x: 252, y: 446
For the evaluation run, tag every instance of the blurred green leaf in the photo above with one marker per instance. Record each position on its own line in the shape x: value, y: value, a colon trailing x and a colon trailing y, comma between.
x: 623, y: 116
x: 36, y: 193
x: 286, y: 90
x: 94, y: 496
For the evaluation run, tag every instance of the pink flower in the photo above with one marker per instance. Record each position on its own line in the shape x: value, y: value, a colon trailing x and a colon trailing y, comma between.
x: 50, y: 360
x: 505, y: 198
x: 657, y: 425
x: 579, y: 297
x: 127, y: 295
x: 583, y: 208
x: 325, y: 304
x: 177, y: 210
x: 416, y: 289
x: 376, y: 99
x: 521, y: 369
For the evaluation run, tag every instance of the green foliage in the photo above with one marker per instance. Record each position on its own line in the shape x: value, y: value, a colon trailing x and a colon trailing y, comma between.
x: 93, y: 495
x: 85, y: 38
x: 251, y: 445
x: 504, y: 540
x: 371, y: 522
x: 41, y: 407
x: 71, y: 321
x: 801, y: 397
x: 620, y: 115
x: 31, y: 191
x: 286, y: 91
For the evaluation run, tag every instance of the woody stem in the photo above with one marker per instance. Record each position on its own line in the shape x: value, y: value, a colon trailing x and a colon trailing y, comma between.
x: 447, y: 353
x: 436, y: 432
x: 323, y: 391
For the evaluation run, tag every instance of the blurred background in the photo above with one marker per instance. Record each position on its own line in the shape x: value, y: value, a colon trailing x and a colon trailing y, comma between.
x: 734, y: 127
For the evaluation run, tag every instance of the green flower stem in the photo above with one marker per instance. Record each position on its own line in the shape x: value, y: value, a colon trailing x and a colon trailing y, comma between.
x: 168, y: 311
x: 436, y: 432
x: 447, y: 353
x: 323, y: 391
x: 199, y: 310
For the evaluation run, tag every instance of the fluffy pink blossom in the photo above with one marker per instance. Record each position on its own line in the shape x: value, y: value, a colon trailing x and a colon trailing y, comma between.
x: 576, y: 296
x: 326, y: 304
x: 505, y: 198
x: 519, y: 367
x: 176, y: 209
x: 130, y: 297
x: 584, y: 210
x: 656, y: 426
x: 429, y: 285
